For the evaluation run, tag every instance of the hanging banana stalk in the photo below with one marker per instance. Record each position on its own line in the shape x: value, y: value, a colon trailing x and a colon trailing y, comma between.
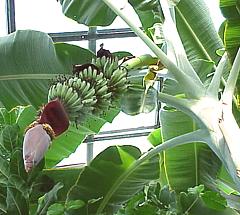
x: 93, y: 88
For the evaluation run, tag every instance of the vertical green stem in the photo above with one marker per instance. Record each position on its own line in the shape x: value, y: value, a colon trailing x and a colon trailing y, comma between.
x: 214, y: 85
x: 232, y: 80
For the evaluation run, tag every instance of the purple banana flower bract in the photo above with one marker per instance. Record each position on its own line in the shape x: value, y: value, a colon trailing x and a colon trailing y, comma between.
x: 36, y: 142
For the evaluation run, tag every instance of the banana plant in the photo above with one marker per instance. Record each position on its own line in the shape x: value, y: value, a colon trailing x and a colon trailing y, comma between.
x: 216, y: 125
x: 200, y: 99
x: 195, y: 92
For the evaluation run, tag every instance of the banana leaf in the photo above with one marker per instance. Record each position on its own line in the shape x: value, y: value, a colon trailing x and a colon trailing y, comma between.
x: 112, y: 178
x: 188, y: 165
x: 231, y: 38
x: 197, y: 32
x: 29, y: 61
x: 96, y: 13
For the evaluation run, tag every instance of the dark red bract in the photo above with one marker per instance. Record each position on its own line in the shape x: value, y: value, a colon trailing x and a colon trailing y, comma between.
x: 55, y: 115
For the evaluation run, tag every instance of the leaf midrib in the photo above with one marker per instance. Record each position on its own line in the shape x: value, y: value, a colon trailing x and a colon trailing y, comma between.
x: 196, y: 158
x: 15, y: 203
x: 198, y: 42
x: 27, y: 76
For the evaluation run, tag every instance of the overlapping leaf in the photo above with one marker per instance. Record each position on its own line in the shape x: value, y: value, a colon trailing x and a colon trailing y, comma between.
x: 118, y: 179
x: 197, y: 32
x: 96, y: 13
x: 231, y: 36
x: 187, y: 165
x: 28, y: 62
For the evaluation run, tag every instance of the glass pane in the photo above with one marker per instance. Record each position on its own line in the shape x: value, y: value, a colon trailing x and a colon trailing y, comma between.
x: 78, y: 157
x: 3, y: 29
x: 133, y: 45
x: 141, y: 142
x: 44, y: 15
x: 215, y: 12
x: 124, y: 121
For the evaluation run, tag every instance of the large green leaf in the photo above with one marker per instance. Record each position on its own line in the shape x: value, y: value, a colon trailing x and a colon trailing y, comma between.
x: 149, y: 12
x: 231, y: 36
x: 16, y: 202
x: 68, y: 142
x: 48, y: 199
x: 96, y: 13
x: 70, y: 55
x: 28, y: 61
x: 187, y: 165
x: 91, y: 13
x: 65, y: 175
x: 230, y: 9
x: 9, y: 137
x: 136, y: 100
x: 112, y: 178
x: 4, y: 171
x: 196, y: 29
x: 16, y: 164
x: 3, y: 196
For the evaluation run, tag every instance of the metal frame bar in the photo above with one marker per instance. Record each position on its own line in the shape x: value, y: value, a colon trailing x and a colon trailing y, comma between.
x: 120, y: 136
x: 121, y: 133
x: 141, y: 128
x: 92, y: 46
x: 10, y: 10
x: 86, y: 35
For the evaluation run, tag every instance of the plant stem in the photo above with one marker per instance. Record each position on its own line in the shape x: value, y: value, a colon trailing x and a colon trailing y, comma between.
x: 192, y: 87
x: 201, y: 47
x: 139, y: 62
x: 183, y: 105
x: 190, y: 207
x: 231, y: 81
x: 174, y: 43
x: 215, y: 82
x: 231, y: 134
x: 197, y: 41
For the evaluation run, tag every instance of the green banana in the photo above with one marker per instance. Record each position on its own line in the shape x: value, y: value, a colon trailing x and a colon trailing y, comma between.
x: 91, y: 90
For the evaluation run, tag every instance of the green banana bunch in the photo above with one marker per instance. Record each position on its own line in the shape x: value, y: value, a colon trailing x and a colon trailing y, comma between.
x: 91, y: 89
